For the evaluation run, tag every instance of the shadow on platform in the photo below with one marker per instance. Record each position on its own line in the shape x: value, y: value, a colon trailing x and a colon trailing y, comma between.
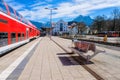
x: 65, y: 53
x: 72, y: 60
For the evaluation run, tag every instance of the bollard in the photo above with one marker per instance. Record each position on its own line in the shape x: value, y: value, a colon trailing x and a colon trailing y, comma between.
x: 105, y: 38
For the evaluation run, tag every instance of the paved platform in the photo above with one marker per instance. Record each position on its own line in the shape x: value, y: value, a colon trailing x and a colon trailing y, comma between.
x: 10, y: 62
x: 42, y: 59
x: 50, y: 62
x: 107, y: 65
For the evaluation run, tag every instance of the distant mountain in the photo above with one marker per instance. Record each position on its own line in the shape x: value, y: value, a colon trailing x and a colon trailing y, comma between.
x: 86, y: 19
x: 70, y: 22
x: 47, y: 25
x: 37, y: 24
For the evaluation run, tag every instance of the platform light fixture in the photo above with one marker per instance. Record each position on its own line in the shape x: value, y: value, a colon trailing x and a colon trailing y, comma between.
x: 51, y: 9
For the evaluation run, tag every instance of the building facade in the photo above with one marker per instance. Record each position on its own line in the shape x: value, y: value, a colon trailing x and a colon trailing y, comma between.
x: 60, y: 28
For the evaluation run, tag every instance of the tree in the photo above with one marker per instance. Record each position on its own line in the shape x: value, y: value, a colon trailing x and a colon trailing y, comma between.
x: 99, y: 23
x: 108, y: 24
x: 81, y: 27
x: 116, y: 20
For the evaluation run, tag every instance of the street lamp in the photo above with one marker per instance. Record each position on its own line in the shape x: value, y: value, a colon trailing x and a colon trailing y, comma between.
x: 51, y: 9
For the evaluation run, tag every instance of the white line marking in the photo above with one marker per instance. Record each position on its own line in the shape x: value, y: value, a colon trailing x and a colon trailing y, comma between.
x: 11, y: 68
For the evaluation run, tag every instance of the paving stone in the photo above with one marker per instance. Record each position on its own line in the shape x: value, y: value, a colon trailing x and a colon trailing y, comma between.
x: 46, y: 64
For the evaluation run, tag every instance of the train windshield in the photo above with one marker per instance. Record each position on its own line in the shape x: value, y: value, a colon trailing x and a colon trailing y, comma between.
x: 2, y: 7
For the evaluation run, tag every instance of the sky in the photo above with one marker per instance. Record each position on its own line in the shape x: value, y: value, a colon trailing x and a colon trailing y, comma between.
x: 66, y: 9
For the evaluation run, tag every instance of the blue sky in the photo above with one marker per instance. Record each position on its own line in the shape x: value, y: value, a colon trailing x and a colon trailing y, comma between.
x: 67, y: 9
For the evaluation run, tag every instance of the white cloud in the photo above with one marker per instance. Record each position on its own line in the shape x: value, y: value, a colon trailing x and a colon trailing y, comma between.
x: 84, y: 7
x: 36, y: 13
x: 65, y: 10
x: 37, y: 4
x: 15, y: 5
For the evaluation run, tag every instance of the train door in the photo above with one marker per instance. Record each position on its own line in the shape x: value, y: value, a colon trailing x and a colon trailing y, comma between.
x: 27, y: 33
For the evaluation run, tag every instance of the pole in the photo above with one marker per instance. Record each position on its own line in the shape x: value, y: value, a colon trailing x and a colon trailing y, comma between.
x: 50, y: 22
x: 51, y: 19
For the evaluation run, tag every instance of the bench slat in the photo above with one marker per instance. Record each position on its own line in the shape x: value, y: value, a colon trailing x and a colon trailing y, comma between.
x: 82, y: 47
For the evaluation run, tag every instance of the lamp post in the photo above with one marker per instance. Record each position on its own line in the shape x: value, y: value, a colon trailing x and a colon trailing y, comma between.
x: 51, y: 9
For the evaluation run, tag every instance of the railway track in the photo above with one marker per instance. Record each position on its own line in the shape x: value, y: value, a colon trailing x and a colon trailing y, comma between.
x: 82, y: 62
x: 99, y: 42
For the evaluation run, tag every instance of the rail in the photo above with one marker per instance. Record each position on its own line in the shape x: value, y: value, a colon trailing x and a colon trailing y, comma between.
x: 98, y: 77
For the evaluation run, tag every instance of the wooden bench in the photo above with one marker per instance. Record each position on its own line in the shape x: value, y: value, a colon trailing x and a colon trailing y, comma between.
x: 83, y: 47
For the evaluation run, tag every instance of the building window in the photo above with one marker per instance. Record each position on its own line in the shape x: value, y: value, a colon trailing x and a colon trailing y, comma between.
x: 13, y: 37
x: 61, y: 26
x: 3, y: 39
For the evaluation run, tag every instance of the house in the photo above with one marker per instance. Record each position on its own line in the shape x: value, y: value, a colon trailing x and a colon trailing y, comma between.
x: 60, y: 27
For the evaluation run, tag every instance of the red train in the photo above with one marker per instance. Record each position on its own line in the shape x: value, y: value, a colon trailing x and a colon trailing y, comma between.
x: 14, y: 29
x: 109, y: 34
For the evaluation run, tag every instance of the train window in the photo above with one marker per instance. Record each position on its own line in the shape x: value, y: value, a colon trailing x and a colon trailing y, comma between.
x: 13, y: 37
x: 11, y: 11
x: 3, y: 39
x: 23, y: 36
x: 19, y: 36
x: 2, y: 7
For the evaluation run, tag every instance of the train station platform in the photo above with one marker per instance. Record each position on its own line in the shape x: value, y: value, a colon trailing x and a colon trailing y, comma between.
x: 42, y: 59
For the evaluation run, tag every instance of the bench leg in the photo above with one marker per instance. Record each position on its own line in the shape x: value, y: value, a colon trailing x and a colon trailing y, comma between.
x: 88, y: 59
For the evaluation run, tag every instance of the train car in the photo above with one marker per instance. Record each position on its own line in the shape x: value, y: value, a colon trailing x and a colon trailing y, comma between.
x: 113, y: 34
x: 15, y: 30
x: 109, y: 34
x: 101, y: 34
